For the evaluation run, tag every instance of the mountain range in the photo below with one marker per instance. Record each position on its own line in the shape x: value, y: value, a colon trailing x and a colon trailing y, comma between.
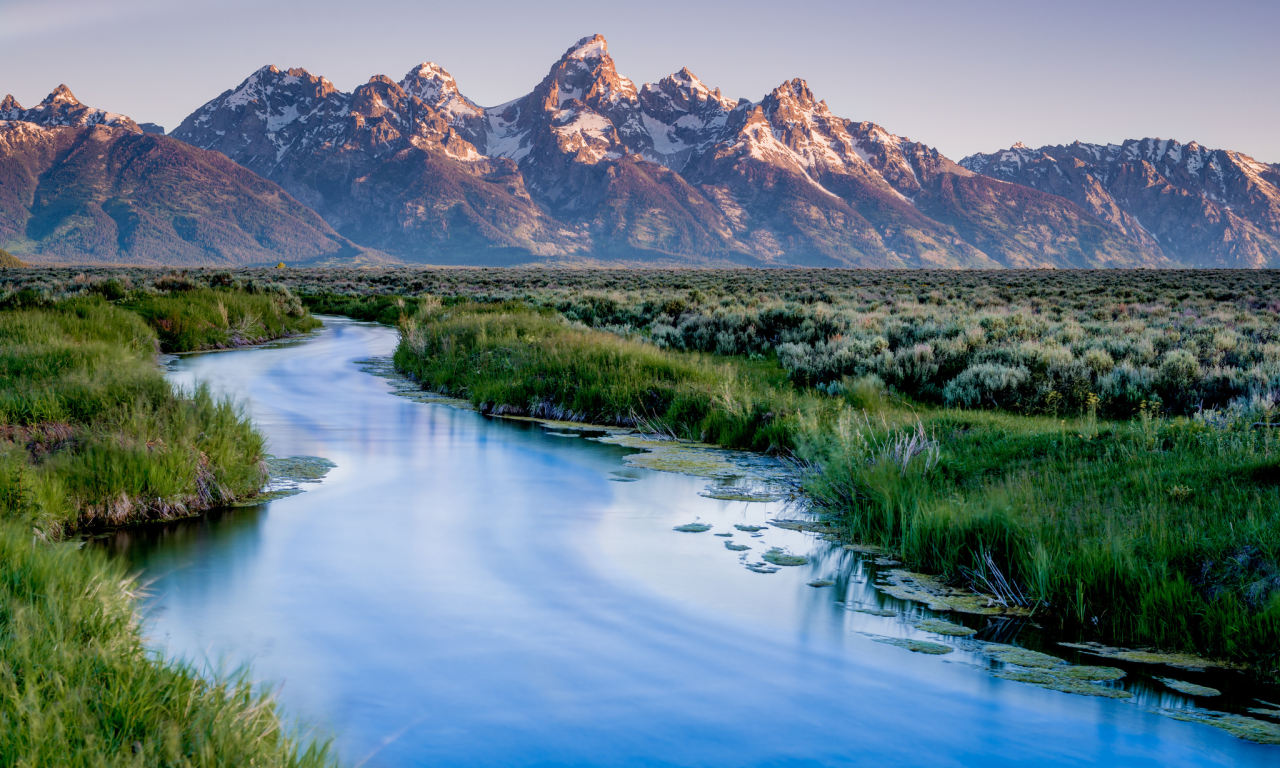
x: 589, y: 167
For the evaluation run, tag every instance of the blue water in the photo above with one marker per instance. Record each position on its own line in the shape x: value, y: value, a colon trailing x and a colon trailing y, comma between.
x: 475, y: 592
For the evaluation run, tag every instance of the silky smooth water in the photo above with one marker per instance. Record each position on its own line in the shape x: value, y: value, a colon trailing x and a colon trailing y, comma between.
x: 464, y: 591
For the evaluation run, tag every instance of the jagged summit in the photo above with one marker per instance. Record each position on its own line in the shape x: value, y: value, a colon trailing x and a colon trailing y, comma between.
x: 592, y: 47
x: 62, y: 109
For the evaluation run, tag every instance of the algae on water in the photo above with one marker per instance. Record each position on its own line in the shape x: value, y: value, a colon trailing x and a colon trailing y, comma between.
x: 1010, y: 654
x: 729, y: 545
x: 921, y: 588
x: 1092, y: 673
x: 777, y: 556
x: 1176, y: 660
x: 821, y: 583
x: 875, y: 611
x: 286, y: 476
x: 1190, y: 689
x: 692, y: 528
x: 940, y: 627
x: 917, y: 646
x: 1055, y: 682
x: 1242, y: 727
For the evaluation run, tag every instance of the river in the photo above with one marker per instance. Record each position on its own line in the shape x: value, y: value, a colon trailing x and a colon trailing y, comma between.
x: 468, y: 591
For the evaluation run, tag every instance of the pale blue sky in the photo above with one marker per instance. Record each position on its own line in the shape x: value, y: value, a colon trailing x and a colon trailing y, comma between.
x: 962, y: 76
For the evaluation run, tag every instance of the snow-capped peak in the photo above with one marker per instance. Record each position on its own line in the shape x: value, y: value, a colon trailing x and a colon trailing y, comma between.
x: 61, y: 95
x: 593, y: 47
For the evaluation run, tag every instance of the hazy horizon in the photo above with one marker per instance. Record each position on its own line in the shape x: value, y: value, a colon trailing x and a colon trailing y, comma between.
x: 965, y: 79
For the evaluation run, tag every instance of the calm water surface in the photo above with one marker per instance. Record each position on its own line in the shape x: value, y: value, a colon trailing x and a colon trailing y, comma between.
x: 465, y: 591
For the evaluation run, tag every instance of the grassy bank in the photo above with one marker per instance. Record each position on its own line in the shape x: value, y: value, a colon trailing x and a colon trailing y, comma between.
x: 1156, y: 530
x: 509, y: 358
x: 92, y: 434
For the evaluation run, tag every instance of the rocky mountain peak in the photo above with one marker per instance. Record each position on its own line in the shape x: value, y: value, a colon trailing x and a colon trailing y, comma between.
x: 61, y: 95
x: 61, y: 108
x: 593, y: 47
x: 685, y: 91
x: 795, y: 93
x: 436, y: 88
x: 587, y: 73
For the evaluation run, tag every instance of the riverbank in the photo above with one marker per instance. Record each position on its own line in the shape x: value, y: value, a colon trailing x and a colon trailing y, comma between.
x: 1160, y: 530
x: 91, y: 434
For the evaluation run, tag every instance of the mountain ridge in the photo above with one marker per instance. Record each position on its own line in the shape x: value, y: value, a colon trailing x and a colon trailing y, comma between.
x: 78, y: 184
x: 589, y: 167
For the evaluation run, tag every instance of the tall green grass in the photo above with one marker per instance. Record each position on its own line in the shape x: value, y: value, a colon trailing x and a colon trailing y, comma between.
x: 77, y: 687
x: 91, y: 433
x: 207, y: 318
x: 509, y: 358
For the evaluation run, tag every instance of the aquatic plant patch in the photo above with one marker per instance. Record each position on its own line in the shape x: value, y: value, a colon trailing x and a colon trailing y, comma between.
x: 939, y: 627
x: 777, y: 556
x: 1190, y: 689
x: 916, y: 646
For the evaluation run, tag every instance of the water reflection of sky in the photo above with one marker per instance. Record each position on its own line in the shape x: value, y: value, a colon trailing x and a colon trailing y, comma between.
x: 461, y: 591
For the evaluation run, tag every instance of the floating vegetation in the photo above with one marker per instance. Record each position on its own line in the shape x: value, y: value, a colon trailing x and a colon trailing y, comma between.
x: 263, y: 498
x: 298, y: 469
x: 624, y: 479
x: 916, y: 646
x: 920, y: 588
x: 749, y: 528
x: 1242, y: 727
x: 777, y: 556
x: 1177, y: 660
x: 1268, y: 712
x: 875, y: 611
x: 1190, y: 689
x: 286, y: 477
x: 729, y: 545
x: 692, y: 528
x: 940, y: 627
x: 750, y: 492
x: 808, y: 526
x: 866, y: 549
x: 887, y: 561
x: 1011, y: 654
x: 1057, y: 682
x: 699, y: 459
x: 726, y: 534
x: 821, y: 583
x: 762, y: 568
x: 1091, y: 673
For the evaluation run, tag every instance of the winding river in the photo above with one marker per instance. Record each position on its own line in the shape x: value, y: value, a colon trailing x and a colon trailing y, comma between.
x: 465, y: 591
